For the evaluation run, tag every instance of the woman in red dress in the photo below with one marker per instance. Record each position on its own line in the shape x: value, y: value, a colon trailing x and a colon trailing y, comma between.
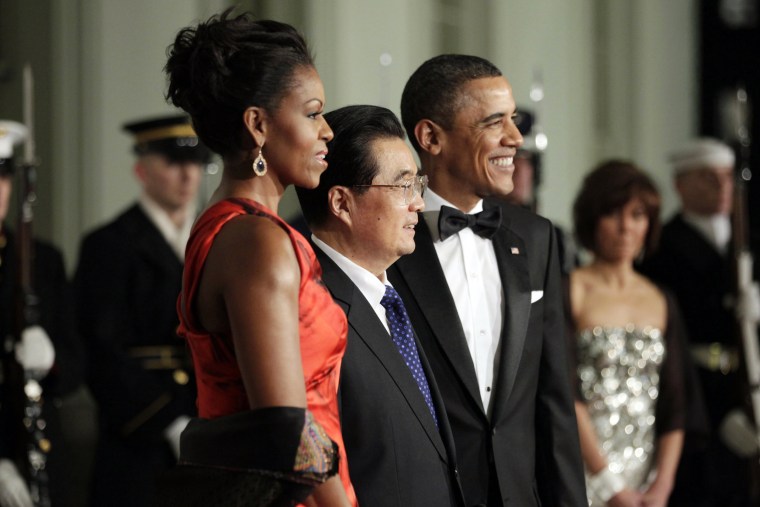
x: 265, y: 336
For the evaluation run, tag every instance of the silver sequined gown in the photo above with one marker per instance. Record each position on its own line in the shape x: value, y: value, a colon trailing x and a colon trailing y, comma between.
x: 619, y: 379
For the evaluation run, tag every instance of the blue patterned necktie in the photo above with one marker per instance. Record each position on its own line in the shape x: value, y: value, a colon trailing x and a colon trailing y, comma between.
x: 403, y: 337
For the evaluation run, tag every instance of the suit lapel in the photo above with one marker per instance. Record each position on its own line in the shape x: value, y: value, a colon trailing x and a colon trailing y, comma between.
x: 150, y: 243
x: 693, y: 245
x: 515, y: 281
x: 364, y: 321
x: 426, y: 281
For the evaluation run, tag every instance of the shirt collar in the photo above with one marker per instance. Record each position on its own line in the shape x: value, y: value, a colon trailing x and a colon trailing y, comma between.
x: 715, y: 228
x: 174, y: 236
x: 368, y: 284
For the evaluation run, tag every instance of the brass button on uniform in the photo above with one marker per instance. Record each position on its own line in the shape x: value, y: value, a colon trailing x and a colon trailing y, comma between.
x: 180, y: 377
x: 45, y: 445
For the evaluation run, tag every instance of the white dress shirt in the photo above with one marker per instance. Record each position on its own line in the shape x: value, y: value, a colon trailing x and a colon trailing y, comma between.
x: 176, y: 237
x: 371, y: 287
x: 716, y: 229
x: 469, y: 264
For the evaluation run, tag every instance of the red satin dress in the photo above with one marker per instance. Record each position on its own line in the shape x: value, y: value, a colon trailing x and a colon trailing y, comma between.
x: 322, y: 326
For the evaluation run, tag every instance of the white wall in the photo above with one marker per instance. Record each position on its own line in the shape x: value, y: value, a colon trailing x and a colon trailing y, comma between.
x: 619, y: 79
x: 108, y: 61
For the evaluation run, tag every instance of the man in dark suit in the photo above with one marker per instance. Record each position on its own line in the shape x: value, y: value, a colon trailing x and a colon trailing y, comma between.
x: 127, y: 281
x: 398, y: 441
x: 694, y: 260
x: 485, y: 299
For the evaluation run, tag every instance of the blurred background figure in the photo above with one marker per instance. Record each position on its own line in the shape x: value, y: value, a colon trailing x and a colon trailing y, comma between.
x: 526, y: 179
x: 627, y: 345
x: 49, y: 349
x: 527, y: 175
x: 127, y: 280
x: 694, y: 260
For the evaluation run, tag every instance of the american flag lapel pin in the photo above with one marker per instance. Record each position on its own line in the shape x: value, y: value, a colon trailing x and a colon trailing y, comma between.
x: 515, y: 250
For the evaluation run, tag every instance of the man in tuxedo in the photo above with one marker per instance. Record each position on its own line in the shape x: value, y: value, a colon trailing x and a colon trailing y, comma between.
x: 485, y: 299
x: 127, y: 282
x: 363, y: 214
x: 694, y: 261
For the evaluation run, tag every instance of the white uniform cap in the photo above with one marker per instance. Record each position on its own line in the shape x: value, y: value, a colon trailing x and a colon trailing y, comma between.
x: 701, y: 153
x: 11, y: 133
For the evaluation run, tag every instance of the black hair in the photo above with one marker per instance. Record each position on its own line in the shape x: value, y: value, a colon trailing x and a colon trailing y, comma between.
x: 349, y: 155
x: 609, y: 187
x: 221, y: 67
x: 433, y: 91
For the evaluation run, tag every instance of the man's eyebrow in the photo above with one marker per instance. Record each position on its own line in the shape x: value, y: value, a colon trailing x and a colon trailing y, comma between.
x: 490, y: 118
x: 405, y: 173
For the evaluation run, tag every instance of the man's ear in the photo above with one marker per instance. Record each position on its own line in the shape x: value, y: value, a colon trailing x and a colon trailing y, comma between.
x: 679, y: 183
x: 255, y: 121
x: 341, y: 203
x: 428, y: 134
x: 140, y: 171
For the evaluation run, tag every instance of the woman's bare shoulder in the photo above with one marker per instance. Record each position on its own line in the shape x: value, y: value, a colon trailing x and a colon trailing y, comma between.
x: 255, y: 246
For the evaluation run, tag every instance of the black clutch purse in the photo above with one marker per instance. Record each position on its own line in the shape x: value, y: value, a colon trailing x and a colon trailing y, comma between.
x: 269, y: 457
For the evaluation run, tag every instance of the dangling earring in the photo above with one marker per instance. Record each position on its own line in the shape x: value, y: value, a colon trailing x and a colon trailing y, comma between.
x: 259, y: 165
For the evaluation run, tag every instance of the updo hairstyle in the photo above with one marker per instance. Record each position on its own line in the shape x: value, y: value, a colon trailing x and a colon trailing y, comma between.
x: 218, y: 69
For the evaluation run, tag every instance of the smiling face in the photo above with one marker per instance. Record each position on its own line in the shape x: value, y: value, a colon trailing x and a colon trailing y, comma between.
x: 382, y: 225
x: 620, y: 234
x: 297, y: 133
x: 476, y: 158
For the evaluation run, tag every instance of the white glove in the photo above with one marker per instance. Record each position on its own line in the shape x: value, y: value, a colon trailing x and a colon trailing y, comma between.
x: 739, y: 434
x: 748, y: 304
x: 13, y: 489
x: 173, y: 432
x: 35, y: 352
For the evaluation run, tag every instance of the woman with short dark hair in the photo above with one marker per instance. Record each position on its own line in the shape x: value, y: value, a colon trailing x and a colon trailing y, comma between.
x: 626, y: 345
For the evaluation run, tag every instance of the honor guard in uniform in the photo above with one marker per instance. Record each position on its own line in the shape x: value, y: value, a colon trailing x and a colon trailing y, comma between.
x: 48, y: 348
x: 694, y: 260
x: 526, y: 179
x: 127, y: 281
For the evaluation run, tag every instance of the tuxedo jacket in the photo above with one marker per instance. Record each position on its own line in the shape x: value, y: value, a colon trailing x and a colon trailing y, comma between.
x: 396, y: 454
x: 527, y: 452
x: 127, y: 281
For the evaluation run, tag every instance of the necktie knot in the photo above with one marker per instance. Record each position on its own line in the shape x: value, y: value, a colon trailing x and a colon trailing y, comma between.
x: 484, y: 224
x: 391, y: 300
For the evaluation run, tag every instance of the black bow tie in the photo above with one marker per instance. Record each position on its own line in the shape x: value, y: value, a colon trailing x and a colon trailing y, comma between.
x: 484, y: 224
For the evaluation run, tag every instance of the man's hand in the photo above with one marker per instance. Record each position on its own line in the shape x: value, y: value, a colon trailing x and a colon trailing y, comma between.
x: 35, y: 352
x: 13, y: 489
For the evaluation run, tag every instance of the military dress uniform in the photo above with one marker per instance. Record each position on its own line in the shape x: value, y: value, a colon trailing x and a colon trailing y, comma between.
x: 54, y: 313
x: 694, y: 260
x: 127, y: 283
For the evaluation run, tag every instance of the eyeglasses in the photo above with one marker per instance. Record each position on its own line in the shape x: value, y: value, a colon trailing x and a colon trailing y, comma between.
x: 412, y: 188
